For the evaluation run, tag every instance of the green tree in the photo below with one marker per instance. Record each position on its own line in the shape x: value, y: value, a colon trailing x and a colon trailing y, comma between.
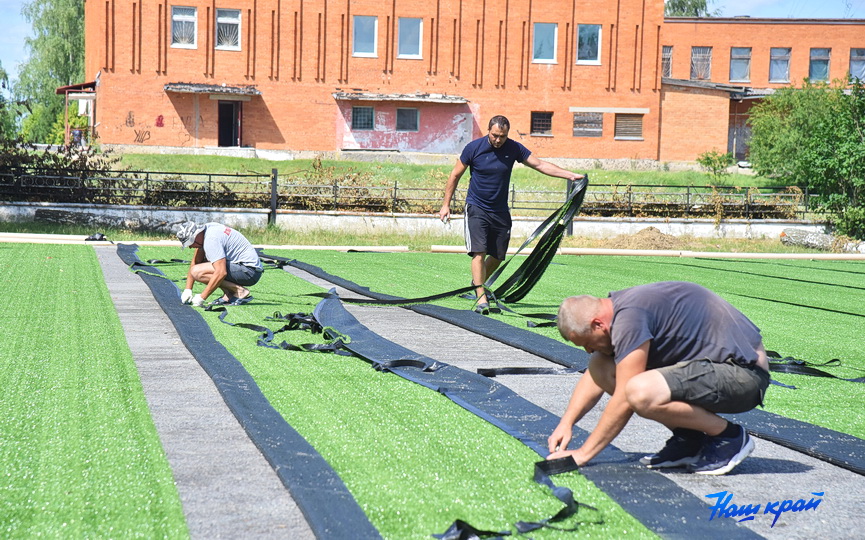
x: 689, y: 8
x: 55, y: 58
x: 814, y: 136
x: 7, y: 108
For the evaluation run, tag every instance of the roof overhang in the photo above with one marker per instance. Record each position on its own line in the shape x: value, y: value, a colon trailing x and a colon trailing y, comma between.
x: 705, y: 85
x: 358, y: 95
x: 213, y: 89
x: 76, y: 88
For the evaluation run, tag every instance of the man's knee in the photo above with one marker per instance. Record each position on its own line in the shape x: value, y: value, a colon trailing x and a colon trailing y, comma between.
x: 646, y: 391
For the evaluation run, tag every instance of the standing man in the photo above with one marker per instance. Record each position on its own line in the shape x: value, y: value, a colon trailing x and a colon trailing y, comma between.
x: 223, y: 259
x: 673, y: 352
x: 487, y: 217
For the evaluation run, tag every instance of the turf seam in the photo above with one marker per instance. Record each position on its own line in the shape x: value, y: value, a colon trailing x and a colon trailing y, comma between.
x: 839, y: 449
x: 329, y: 508
x: 615, y: 472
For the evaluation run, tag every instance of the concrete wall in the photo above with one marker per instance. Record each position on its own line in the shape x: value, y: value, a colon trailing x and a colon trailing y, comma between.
x: 367, y: 223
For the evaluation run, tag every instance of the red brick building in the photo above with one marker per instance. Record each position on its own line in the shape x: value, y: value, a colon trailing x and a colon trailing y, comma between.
x: 579, y: 79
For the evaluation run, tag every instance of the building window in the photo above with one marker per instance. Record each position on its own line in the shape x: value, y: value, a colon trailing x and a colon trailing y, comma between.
x: 365, y: 36
x: 589, y: 44
x: 667, y: 61
x: 857, y: 64
x: 701, y: 63
x: 542, y: 123
x: 228, y: 29
x: 544, y: 48
x: 740, y: 64
x: 184, y: 27
x: 588, y: 124
x: 629, y: 127
x: 818, y: 69
x: 410, y: 38
x: 407, y: 119
x: 779, y: 64
x: 362, y: 118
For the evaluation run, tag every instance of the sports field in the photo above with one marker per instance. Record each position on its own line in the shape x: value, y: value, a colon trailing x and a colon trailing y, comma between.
x: 84, y: 460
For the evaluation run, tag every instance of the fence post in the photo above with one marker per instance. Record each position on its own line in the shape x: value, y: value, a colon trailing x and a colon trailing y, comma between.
x: 393, y: 199
x: 569, y: 189
x: 271, y: 218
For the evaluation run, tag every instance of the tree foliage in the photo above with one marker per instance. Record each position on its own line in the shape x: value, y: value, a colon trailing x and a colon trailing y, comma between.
x: 689, y: 8
x: 814, y: 136
x: 56, y: 58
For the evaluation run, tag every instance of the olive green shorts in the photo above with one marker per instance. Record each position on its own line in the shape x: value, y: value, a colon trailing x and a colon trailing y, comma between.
x: 720, y: 387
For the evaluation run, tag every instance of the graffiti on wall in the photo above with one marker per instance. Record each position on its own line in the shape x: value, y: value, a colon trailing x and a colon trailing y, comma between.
x: 182, y: 128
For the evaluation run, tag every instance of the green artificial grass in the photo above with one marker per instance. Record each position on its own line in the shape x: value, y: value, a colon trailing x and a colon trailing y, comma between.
x: 78, y: 449
x: 413, y: 460
x: 812, y: 310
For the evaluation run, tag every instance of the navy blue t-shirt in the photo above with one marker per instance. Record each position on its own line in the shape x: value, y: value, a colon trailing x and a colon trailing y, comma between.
x: 491, y: 172
x: 685, y: 321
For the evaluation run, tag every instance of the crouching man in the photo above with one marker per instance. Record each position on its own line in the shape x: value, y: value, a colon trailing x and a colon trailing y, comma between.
x: 673, y: 352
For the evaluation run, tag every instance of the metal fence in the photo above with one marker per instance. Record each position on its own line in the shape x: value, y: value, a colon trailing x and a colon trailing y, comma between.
x: 344, y: 194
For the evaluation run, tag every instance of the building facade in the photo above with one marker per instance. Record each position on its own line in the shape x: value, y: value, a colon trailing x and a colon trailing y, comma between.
x: 577, y: 79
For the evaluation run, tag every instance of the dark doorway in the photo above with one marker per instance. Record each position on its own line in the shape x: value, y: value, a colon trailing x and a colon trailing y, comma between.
x: 229, y: 123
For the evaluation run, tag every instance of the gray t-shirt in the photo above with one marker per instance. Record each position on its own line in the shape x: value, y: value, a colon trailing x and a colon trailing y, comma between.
x: 684, y: 321
x: 222, y: 242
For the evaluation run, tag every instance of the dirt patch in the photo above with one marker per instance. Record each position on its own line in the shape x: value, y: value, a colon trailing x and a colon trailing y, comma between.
x: 648, y: 238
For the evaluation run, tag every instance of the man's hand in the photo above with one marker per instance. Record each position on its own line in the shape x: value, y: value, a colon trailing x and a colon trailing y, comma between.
x: 445, y: 214
x: 576, y: 454
x: 197, y: 300
x: 186, y: 297
x: 560, y: 438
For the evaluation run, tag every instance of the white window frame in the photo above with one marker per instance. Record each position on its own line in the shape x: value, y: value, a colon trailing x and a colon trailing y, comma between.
x: 416, y: 112
x: 776, y: 56
x: 404, y: 32
x: 354, y: 36
x: 184, y: 18
x: 825, y: 56
x: 225, y: 16
x: 535, y: 42
x: 741, y: 58
x: 667, y: 61
x: 857, y: 59
x: 701, y: 63
x: 590, y: 61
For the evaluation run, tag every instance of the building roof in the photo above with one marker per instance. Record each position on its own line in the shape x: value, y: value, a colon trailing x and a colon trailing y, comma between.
x: 195, y: 88
x: 744, y: 19
x: 360, y: 95
x: 708, y: 85
x: 81, y: 87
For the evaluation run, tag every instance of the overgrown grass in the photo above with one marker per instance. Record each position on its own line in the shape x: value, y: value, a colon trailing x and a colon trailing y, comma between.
x: 414, y: 241
x: 78, y: 449
x: 423, y: 175
x: 413, y: 459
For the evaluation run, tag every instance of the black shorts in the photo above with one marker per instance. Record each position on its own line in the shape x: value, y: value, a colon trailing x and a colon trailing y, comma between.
x: 487, y: 232
x: 720, y: 387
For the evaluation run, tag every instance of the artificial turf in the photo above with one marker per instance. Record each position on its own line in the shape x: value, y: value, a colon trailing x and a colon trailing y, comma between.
x: 413, y: 460
x: 79, y: 453
x: 810, y: 309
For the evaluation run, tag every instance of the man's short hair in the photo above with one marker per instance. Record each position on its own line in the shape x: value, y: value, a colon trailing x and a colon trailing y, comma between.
x: 576, y: 314
x: 499, y: 120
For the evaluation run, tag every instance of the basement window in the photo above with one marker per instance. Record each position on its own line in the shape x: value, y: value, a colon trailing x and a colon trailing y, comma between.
x: 629, y: 127
x: 588, y: 124
x: 407, y: 119
x: 362, y: 118
x: 542, y: 123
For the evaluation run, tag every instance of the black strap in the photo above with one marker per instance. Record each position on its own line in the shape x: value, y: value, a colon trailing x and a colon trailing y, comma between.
x: 297, y: 321
x: 789, y: 364
x: 492, y: 372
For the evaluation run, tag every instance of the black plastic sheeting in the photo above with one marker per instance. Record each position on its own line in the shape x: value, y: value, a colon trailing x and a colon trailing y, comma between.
x: 839, y: 449
x: 654, y: 500
x: 321, y: 495
x: 546, y: 348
